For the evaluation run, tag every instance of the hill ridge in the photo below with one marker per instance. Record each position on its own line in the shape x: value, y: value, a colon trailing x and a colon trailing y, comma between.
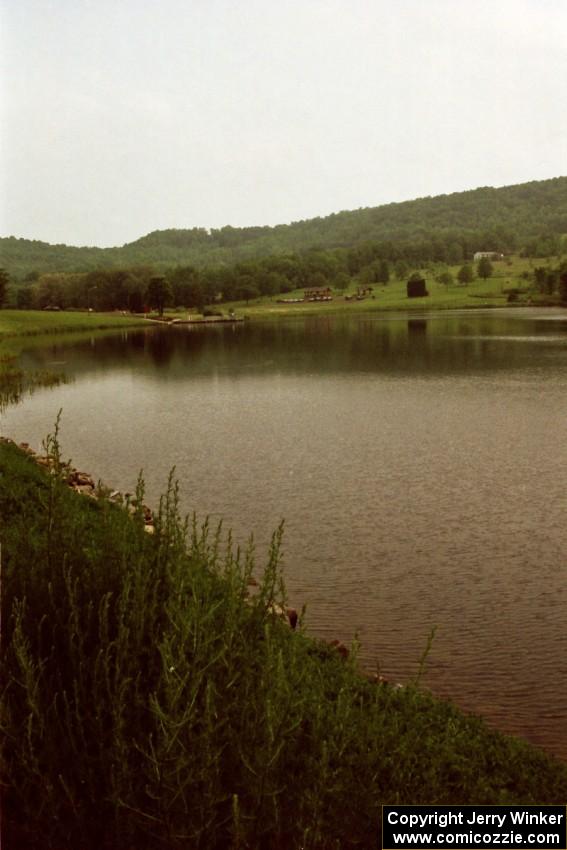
x: 505, y: 215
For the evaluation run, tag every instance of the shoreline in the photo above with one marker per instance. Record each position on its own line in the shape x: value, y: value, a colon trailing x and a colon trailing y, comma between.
x: 226, y: 670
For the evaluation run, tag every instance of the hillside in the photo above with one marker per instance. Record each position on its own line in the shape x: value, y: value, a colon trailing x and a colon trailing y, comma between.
x: 508, y: 218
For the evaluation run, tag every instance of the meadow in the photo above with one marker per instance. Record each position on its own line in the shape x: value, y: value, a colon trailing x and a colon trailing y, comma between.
x: 515, y: 273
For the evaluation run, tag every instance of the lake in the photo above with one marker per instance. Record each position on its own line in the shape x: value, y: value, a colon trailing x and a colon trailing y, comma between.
x: 419, y: 462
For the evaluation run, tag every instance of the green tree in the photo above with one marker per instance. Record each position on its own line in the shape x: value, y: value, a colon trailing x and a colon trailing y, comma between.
x: 383, y: 272
x: 540, y: 278
x: 4, y: 280
x: 454, y: 253
x: 551, y: 281
x: 484, y: 268
x: 317, y: 280
x: 401, y: 269
x: 51, y: 291
x: 247, y: 290
x: 465, y: 274
x: 445, y: 278
x: 159, y: 293
x: 24, y: 299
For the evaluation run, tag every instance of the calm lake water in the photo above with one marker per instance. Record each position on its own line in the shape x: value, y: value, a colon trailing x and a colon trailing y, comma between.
x: 420, y: 464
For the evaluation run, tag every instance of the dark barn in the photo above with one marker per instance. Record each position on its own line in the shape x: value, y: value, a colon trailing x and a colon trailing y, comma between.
x: 416, y: 287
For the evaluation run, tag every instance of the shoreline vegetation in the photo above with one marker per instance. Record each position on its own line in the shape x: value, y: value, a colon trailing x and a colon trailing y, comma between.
x: 150, y: 699
x: 510, y: 281
x: 20, y: 329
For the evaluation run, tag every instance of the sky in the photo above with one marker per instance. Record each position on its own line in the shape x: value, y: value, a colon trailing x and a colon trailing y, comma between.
x: 120, y: 117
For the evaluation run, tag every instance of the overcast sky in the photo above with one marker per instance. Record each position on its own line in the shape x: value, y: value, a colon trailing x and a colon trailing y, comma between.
x: 120, y: 117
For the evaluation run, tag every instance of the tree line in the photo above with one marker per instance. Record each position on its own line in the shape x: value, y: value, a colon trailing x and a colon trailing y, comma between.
x: 552, y: 280
x: 141, y: 288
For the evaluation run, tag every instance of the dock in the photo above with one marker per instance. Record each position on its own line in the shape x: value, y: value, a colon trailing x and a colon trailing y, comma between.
x: 198, y: 320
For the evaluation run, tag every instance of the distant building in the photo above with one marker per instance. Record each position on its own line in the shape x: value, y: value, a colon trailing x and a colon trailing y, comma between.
x: 416, y: 287
x: 490, y: 255
x: 318, y: 293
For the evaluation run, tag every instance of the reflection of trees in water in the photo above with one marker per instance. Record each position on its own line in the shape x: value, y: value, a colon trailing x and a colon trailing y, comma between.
x: 417, y: 327
x: 11, y: 386
x: 318, y: 345
x: 161, y: 348
x: 16, y: 382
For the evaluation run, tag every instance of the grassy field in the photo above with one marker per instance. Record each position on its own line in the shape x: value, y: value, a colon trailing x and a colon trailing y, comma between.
x: 492, y: 292
x: 149, y: 701
x: 513, y: 273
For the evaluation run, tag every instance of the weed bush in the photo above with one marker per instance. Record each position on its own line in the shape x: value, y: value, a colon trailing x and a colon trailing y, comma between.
x: 15, y: 382
x: 149, y: 702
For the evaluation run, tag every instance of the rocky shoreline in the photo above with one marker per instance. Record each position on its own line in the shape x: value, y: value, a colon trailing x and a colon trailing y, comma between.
x: 85, y: 485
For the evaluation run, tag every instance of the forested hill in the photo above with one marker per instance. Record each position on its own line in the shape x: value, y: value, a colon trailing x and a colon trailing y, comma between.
x: 526, y: 216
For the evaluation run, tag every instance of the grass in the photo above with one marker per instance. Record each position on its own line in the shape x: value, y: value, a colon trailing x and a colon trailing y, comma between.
x: 16, y: 326
x: 26, y: 322
x: 492, y: 292
x: 148, y: 701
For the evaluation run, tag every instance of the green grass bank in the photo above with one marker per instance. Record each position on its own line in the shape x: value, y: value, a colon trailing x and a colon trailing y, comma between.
x: 16, y: 325
x: 149, y: 700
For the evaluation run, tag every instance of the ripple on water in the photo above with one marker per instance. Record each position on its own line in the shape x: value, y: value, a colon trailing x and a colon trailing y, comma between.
x: 423, y: 480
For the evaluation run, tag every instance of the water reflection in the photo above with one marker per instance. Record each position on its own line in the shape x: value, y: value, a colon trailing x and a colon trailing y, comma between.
x: 417, y: 327
x: 420, y: 463
x: 324, y: 345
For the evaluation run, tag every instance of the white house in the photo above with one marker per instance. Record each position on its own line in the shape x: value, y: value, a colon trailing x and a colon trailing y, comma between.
x: 490, y: 255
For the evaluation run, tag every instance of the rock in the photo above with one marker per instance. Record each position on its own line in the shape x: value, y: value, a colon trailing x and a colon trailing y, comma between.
x: 84, y: 490
x: 340, y: 647
x: 374, y: 678
x: 83, y: 480
x: 287, y: 614
x: 291, y: 614
x: 77, y: 479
